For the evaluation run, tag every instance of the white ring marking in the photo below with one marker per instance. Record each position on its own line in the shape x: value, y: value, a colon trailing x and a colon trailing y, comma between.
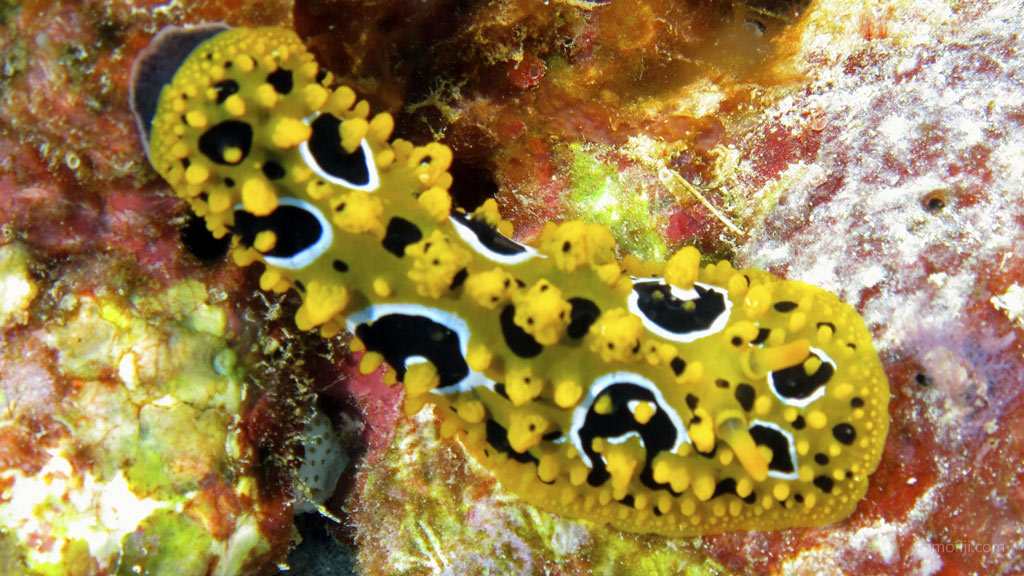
x: 579, y: 415
x: 803, y: 402
x: 372, y: 183
x: 717, y: 326
x: 371, y: 314
x: 310, y: 254
x: 474, y: 242
x: 792, y: 451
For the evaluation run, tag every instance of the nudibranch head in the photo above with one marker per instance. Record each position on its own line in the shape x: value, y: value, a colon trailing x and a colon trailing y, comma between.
x: 677, y: 397
x: 247, y: 128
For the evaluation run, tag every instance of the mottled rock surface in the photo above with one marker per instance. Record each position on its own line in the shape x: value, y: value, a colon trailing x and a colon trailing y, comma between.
x: 874, y: 149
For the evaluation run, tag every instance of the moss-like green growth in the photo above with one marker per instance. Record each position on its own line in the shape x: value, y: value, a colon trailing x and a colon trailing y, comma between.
x: 166, y: 543
x: 601, y: 194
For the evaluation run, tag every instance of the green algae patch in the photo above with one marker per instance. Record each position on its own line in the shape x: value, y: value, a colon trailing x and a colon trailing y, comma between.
x: 630, y: 555
x: 189, y: 302
x: 167, y: 543
x: 76, y: 561
x: 188, y: 442
x: 600, y: 193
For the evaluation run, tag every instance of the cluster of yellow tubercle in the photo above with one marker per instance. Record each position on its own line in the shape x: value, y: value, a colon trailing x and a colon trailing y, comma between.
x: 717, y: 480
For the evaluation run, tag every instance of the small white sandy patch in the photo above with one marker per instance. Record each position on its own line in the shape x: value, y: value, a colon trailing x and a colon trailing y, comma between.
x: 17, y: 288
x: 928, y: 559
x: 880, y: 537
x: 896, y: 130
x: 1011, y: 303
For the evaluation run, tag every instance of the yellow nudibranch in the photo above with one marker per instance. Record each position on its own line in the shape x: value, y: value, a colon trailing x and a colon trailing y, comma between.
x: 673, y: 397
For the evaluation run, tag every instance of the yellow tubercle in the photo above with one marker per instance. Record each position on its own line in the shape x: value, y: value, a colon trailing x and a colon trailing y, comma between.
x: 472, y: 411
x: 740, y: 333
x: 352, y: 133
x: 331, y: 328
x: 817, y: 420
x: 290, y: 132
x: 780, y: 491
x: 525, y: 429
x: 549, y: 468
x: 420, y: 379
x: 340, y: 101
x: 491, y: 288
x: 825, y: 333
x: 232, y: 155
x: 683, y: 268
x: 271, y: 277
x: 762, y: 405
x: 704, y: 487
x: 702, y: 430
x: 643, y: 412
x: 301, y: 175
x: 258, y: 197
x: 318, y: 189
x: 381, y: 288
x: 359, y: 212
x: 370, y: 362
x: 522, y: 386
x: 197, y: 174
x: 542, y: 312
x: 758, y: 300
x: 381, y: 127
x: 245, y: 63
x: 617, y: 336
x: 622, y: 461
x: 437, y: 202
x: 670, y: 469
x: 737, y: 285
x: 449, y: 428
x: 429, y: 163
x: 315, y: 96
x: 322, y: 302
x: 266, y: 96
x: 219, y: 201
x: 609, y: 273
x: 384, y: 159
x: 360, y: 110
x: 692, y: 375
x: 479, y: 358
x: 235, y: 106
x: 811, y: 365
x: 265, y: 241
x: 435, y: 261
x: 567, y: 393
x: 243, y: 257
x: 196, y: 119
x: 843, y: 391
x: 488, y: 213
x: 797, y: 321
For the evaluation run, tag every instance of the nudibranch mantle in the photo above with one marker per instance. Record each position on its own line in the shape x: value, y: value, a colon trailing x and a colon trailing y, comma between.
x: 672, y: 397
